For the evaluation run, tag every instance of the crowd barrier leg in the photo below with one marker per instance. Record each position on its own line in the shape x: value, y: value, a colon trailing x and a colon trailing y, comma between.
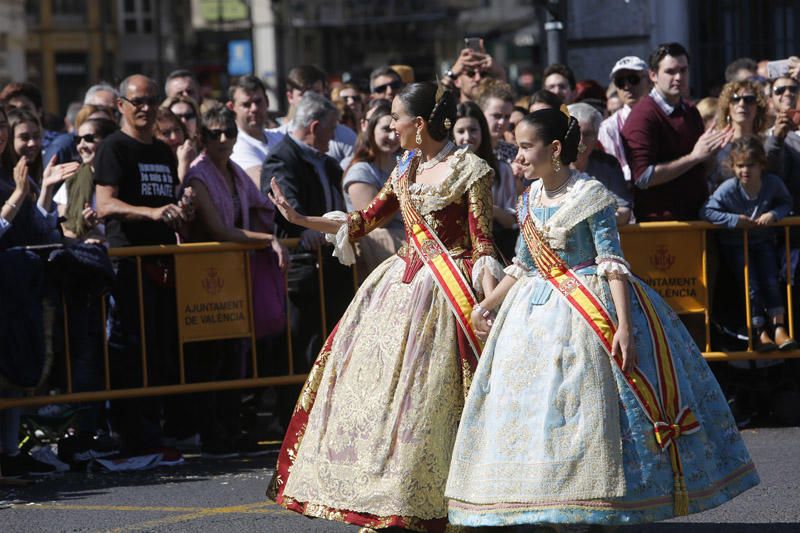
x: 142, y: 336
x: 249, y: 284
x: 67, y: 353
x: 707, y: 303
x: 748, y: 311
x: 789, y: 310
x: 322, y: 311
x: 289, y: 343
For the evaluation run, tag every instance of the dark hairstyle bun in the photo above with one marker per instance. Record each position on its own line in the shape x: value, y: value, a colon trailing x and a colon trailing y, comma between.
x: 419, y: 100
x: 553, y: 125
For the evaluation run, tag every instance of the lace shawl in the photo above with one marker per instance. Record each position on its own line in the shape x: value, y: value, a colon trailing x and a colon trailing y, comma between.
x: 585, y: 197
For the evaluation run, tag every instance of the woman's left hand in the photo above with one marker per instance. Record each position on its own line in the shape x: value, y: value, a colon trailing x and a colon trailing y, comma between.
x: 282, y: 252
x: 623, y: 345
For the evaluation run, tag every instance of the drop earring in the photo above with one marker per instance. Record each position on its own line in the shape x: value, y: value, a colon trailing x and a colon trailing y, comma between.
x: 556, y: 162
x: 418, y: 138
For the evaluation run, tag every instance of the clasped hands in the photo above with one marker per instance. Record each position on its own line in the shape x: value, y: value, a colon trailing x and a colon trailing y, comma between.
x: 176, y: 214
x: 482, y: 321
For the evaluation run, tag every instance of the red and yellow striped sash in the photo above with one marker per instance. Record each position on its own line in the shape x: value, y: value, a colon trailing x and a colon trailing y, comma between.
x: 445, y: 271
x: 661, y: 404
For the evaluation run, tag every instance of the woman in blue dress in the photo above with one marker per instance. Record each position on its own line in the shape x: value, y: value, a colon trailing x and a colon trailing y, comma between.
x: 591, y: 403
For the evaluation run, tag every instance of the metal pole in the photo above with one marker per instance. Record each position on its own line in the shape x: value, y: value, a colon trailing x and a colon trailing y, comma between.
x: 555, y: 27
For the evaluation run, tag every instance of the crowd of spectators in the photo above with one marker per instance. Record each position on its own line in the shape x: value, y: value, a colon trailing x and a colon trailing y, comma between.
x: 136, y: 166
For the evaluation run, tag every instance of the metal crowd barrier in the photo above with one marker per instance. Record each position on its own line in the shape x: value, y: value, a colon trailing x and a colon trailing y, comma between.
x: 653, y: 231
x: 654, y: 234
x: 34, y: 397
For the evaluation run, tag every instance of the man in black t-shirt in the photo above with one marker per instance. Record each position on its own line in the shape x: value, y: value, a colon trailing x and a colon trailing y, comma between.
x: 136, y: 174
x: 136, y: 181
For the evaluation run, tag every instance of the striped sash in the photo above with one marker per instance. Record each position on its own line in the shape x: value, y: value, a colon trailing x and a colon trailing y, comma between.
x: 662, y: 403
x: 434, y: 255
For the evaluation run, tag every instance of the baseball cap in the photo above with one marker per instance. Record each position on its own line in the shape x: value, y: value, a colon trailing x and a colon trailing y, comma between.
x: 628, y: 63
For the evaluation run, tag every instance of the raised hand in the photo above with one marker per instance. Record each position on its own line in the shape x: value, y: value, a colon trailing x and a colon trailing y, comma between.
x: 54, y: 174
x: 21, y: 183
x: 783, y: 125
x: 711, y: 141
x: 280, y: 201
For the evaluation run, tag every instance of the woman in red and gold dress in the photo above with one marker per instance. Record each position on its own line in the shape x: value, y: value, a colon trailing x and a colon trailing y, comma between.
x: 373, y: 430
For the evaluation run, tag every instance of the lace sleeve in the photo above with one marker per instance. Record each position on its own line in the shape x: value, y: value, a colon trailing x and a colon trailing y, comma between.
x: 516, y: 269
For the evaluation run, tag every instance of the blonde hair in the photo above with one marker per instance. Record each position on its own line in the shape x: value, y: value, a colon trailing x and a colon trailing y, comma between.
x: 707, y: 108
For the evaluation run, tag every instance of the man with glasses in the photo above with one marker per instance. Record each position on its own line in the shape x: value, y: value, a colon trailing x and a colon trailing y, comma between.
x: 136, y: 178
x: 466, y: 74
x: 783, y: 139
x: 385, y: 83
x: 308, y: 78
x: 630, y: 78
x: 669, y: 154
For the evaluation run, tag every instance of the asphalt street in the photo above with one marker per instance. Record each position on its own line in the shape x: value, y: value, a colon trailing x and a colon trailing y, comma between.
x: 228, y: 496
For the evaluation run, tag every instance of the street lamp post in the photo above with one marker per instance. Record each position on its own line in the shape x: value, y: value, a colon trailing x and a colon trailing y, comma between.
x: 555, y: 27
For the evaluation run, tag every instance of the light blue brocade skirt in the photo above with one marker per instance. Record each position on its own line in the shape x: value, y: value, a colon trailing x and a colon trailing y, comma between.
x: 551, y: 432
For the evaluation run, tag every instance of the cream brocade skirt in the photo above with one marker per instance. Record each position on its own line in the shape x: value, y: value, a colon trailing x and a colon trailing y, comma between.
x: 380, y: 435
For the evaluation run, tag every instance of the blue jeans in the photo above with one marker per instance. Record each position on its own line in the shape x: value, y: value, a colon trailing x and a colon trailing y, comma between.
x: 765, y: 295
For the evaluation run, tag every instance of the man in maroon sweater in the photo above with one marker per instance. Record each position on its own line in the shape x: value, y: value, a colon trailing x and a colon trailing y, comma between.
x: 669, y: 154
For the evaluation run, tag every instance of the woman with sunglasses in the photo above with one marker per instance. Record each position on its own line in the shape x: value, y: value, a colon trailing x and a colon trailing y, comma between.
x: 187, y: 111
x: 350, y: 102
x: 76, y: 200
x: 172, y: 131
x: 742, y: 107
x: 229, y: 208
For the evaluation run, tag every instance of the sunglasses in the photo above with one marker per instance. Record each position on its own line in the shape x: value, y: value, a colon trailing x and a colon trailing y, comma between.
x: 471, y: 73
x: 380, y: 89
x: 356, y: 97
x: 216, y: 134
x: 186, y: 116
x: 631, y: 79
x: 782, y: 89
x: 748, y: 99
x: 90, y: 138
x: 139, y: 102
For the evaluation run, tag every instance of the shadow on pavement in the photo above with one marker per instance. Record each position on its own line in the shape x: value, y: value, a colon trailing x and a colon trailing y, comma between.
x: 76, y: 486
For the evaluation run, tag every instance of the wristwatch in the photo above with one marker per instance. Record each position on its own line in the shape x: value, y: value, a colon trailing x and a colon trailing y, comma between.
x: 450, y: 74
